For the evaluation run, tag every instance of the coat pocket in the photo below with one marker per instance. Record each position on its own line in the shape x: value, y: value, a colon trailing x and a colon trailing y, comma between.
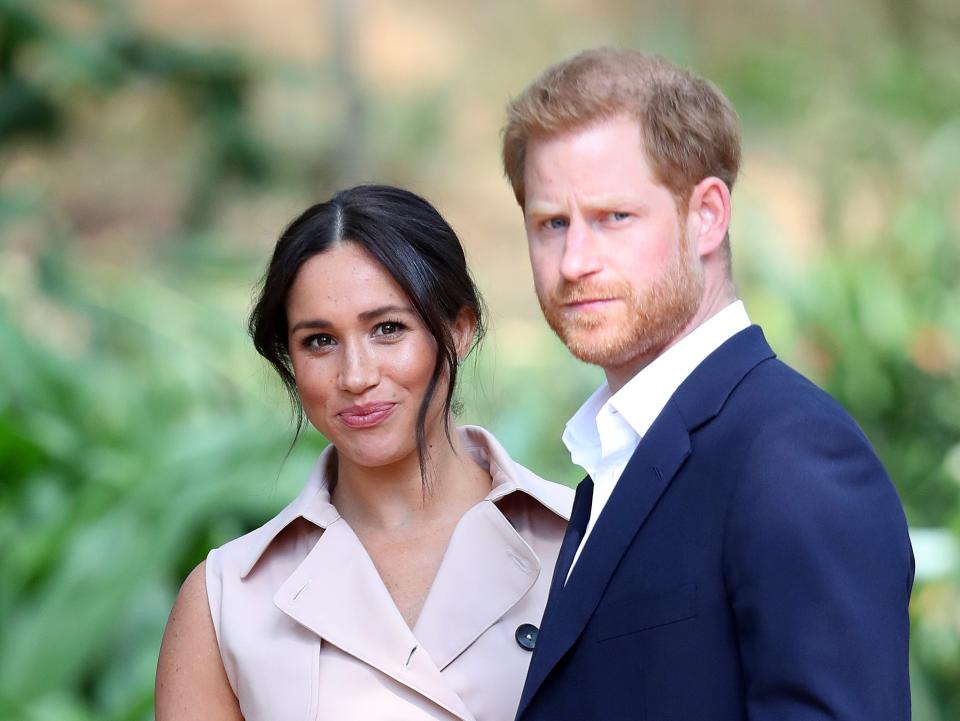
x: 647, y: 611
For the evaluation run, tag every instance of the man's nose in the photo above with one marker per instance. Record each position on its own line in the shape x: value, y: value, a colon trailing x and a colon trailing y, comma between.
x: 359, y: 369
x: 581, y: 255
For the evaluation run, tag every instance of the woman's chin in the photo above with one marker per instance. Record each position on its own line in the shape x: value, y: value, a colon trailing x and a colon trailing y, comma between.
x: 378, y: 454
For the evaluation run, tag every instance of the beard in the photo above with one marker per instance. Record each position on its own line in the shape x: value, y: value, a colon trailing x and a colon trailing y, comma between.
x: 639, y: 325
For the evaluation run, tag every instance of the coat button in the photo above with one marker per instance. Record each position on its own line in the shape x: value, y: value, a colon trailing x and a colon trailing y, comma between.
x: 527, y: 635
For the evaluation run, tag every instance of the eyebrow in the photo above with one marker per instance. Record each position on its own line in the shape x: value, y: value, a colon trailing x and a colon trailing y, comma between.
x: 540, y: 209
x: 383, y: 310
x: 321, y: 324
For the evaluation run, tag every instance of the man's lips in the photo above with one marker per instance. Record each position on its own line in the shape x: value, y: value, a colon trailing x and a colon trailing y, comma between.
x: 587, y: 304
x: 365, y: 415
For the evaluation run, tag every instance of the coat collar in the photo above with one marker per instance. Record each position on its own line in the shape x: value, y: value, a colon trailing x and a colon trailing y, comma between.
x: 509, y: 476
x: 659, y: 456
x: 337, y: 593
x: 313, y: 502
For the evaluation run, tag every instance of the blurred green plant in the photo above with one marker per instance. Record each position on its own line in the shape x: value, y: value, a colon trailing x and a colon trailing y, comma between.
x: 212, y: 85
x: 125, y: 456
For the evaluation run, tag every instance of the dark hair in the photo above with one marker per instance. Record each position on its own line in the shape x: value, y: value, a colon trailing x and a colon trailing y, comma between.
x: 413, y: 243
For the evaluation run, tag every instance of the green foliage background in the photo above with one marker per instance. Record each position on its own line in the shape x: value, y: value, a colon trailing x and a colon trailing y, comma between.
x: 145, y: 171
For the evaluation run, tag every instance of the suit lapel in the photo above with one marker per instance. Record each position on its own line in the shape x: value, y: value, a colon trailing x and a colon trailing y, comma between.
x: 571, y: 539
x: 658, y: 458
x: 337, y: 593
x: 647, y: 475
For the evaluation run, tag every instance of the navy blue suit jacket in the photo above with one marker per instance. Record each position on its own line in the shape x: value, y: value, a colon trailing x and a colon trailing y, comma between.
x: 752, y: 563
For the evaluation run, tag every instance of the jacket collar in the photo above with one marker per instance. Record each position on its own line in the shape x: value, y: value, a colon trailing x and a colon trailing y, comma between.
x: 610, y: 425
x: 658, y: 458
x: 313, y: 502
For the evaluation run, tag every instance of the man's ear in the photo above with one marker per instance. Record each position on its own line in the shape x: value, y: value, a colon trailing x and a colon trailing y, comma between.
x: 462, y: 330
x: 708, y: 215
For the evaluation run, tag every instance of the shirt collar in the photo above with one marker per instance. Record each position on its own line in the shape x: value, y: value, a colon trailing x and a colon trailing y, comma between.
x: 313, y: 502
x: 581, y: 435
x: 640, y: 401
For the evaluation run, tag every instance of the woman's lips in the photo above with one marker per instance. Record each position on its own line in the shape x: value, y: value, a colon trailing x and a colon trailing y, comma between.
x: 366, y: 415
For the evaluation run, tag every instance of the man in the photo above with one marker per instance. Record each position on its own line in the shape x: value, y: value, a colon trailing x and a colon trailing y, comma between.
x: 737, y: 551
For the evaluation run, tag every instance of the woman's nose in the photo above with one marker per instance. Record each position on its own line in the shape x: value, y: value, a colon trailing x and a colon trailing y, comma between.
x: 359, y: 370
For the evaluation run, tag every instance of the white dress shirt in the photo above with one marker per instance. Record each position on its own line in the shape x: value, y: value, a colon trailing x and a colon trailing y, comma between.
x: 603, y: 434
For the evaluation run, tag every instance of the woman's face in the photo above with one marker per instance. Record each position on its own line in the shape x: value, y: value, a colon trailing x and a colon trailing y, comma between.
x: 361, y: 356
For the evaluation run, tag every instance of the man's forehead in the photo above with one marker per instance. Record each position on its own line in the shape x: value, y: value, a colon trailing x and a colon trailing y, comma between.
x: 595, y: 131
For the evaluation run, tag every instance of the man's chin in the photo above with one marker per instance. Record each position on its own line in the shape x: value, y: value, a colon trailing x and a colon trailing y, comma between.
x: 597, y: 346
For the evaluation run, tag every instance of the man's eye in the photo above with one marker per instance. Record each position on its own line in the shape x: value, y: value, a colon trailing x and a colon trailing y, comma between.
x: 556, y: 223
x: 618, y: 216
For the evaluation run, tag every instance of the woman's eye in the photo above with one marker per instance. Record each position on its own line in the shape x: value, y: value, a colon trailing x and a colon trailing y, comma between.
x: 390, y: 327
x: 320, y: 340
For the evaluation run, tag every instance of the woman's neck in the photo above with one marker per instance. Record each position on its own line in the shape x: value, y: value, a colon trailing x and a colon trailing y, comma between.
x: 390, y: 498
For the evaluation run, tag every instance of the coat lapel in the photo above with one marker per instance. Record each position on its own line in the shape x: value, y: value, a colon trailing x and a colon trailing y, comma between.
x: 660, y: 454
x: 488, y: 567
x: 337, y: 593
x: 486, y: 570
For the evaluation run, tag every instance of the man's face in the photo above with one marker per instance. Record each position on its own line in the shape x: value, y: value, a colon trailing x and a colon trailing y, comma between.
x: 615, y: 274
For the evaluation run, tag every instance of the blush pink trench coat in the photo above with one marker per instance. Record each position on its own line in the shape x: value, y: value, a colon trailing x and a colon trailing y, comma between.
x: 308, y: 631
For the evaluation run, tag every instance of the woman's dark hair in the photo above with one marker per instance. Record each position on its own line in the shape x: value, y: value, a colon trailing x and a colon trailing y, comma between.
x: 413, y: 243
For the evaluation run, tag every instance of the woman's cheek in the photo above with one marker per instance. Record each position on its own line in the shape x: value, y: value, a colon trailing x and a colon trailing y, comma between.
x: 313, y: 395
x: 413, y: 366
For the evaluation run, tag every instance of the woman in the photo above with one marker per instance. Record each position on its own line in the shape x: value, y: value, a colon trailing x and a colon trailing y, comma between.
x: 407, y: 579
